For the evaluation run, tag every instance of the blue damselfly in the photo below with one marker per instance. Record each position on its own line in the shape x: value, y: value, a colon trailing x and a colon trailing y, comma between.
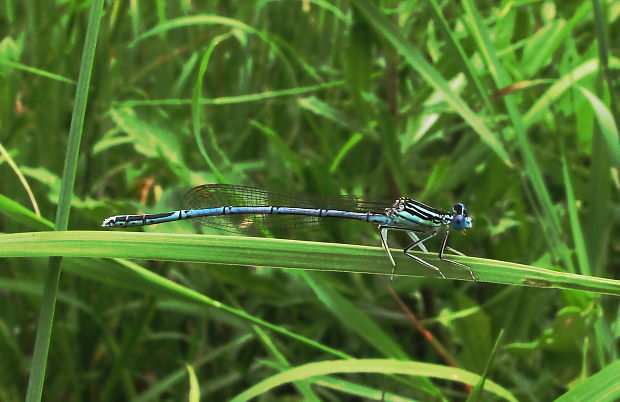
x: 242, y: 209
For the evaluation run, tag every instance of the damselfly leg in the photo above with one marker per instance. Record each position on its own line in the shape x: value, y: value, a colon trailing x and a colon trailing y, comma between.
x: 418, y: 259
x: 383, y: 231
x: 419, y: 242
x: 458, y: 264
x: 415, y: 238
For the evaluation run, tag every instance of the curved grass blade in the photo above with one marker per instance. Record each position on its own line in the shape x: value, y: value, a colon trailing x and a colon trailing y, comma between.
x: 370, y: 366
x: 278, y: 253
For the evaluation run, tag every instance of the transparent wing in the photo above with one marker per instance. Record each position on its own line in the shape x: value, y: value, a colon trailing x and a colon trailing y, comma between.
x: 219, y: 195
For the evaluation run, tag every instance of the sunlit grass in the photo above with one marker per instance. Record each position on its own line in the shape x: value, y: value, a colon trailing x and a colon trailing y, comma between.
x: 508, y: 108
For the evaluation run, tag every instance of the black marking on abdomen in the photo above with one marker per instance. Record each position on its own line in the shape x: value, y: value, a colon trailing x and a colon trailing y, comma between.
x: 157, y: 216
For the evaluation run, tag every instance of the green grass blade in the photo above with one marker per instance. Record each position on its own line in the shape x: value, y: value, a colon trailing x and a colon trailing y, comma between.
x: 196, y: 20
x: 582, y: 72
x: 131, y: 341
x: 328, y: 112
x: 357, y: 390
x: 253, y: 251
x: 294, y: 161
x: 476, y: 394
x: 601, y: 387
x: 607, y: 125
x: 194, y: 387
x: 304, y: 387
x: 355, y: 319
x: 604, y: 54
x: 550, y: 221
x: 140, y: 279
x: 458, y: 53
x: 581, y: 250
x: 35, y: 71
x: 231, y: 100
x: 4, y: 154
x: 129, y: 275
x: 346, y: 148
x: 432, y: 77
x: 197, y: 110
x: 371, y: 366
x: 46, y: 318
x: 166, y: 384
x: 19, y: 213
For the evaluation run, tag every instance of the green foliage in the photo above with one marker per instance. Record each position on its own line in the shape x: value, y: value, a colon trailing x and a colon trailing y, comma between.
x: 509, y: 108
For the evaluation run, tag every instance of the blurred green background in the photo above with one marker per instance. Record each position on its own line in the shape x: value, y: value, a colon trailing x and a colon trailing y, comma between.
x: 509, y: 107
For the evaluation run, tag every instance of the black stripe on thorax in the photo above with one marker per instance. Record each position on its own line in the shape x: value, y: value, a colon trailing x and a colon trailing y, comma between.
x: 423, y: 210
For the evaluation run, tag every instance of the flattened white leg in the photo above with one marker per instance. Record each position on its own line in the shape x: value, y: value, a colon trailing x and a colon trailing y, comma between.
x: 441, y: 250
x: 383, y: 232
x: 418, y: 259
x: 416, y: 240
x: 454, y: 251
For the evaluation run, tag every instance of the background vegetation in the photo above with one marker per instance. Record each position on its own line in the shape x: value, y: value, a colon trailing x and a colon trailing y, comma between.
x: 509, y: 107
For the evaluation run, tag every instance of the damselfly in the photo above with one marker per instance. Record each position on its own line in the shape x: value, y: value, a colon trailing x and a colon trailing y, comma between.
x: 243, y: 209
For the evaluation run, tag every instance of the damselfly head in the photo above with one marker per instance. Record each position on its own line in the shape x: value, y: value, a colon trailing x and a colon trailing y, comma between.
x: 460, y: 220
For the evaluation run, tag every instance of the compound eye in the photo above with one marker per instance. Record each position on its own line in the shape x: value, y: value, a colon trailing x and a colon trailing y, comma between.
x: 458, y: 220
x: 459, y: 209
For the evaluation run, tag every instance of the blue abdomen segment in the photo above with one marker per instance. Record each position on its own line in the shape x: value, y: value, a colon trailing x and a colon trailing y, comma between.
x: 152, y: 219
x: 274, y: 210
